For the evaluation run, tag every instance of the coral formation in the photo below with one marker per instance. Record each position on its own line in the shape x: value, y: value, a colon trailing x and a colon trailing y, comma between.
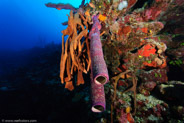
x: 133, y: 49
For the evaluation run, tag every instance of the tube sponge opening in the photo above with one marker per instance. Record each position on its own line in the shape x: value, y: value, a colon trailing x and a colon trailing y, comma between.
x: 100, y: 80
x: 97, y: 108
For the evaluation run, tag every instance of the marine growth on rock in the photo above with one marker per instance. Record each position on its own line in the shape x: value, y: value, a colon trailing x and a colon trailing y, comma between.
x: 117, y: 41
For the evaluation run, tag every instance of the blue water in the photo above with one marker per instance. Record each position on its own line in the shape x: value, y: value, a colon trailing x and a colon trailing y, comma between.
x: 30, y: 50
x: 28, y: 23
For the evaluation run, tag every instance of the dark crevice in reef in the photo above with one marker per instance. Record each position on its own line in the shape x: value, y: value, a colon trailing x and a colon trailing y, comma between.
x: 141, y: 3
x: 175, y: 73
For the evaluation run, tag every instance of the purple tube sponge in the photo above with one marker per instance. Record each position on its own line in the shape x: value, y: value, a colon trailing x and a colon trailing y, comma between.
x: 97, y: 96
x: 98, y: 65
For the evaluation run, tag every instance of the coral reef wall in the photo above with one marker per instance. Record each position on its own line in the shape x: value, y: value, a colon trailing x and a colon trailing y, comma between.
x: 141, y: 42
